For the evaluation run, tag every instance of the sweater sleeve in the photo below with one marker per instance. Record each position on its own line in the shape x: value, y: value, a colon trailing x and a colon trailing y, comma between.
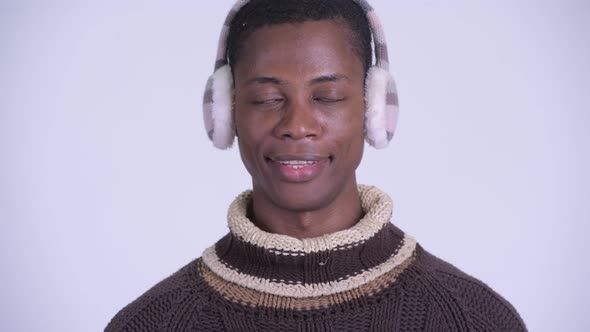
x: 486, y: 309
x: 149, y: 312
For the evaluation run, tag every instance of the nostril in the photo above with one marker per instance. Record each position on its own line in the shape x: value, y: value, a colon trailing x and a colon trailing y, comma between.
x: 297, y: 122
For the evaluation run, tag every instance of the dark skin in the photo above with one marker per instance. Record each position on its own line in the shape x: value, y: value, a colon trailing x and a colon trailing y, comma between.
x: 299, y: 113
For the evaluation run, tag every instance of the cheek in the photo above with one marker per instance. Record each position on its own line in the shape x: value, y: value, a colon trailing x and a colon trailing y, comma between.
x: 247, y: 144
x: 248, y: 155
x: 355, y: 119
x: 250, y: 133
x: 347, y: 132
x: 352, y: 146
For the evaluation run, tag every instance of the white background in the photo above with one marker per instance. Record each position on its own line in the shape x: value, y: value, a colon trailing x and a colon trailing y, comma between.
x: 109, y: 184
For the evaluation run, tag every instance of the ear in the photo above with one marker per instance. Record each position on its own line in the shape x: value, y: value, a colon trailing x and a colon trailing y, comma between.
x: 376, y: 117
x: 217, y: 108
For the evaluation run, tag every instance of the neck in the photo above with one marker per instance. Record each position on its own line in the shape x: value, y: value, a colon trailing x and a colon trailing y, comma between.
x: 339, y: 213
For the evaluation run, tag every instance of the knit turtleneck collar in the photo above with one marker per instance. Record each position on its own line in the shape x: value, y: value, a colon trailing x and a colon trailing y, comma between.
x: 366, y: 256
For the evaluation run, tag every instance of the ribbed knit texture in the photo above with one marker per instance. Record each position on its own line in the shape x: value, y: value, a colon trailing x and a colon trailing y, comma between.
x: 370, y: 277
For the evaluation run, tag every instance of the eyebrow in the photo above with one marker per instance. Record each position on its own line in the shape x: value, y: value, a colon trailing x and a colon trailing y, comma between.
x: 329, y: 78
x: 265, y: 80
x: 277, y: 81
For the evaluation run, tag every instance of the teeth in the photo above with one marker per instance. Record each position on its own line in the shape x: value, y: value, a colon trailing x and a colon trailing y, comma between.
x: 297, y: 163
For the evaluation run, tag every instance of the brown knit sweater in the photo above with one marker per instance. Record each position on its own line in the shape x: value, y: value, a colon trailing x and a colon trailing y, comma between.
x: 371, y: 277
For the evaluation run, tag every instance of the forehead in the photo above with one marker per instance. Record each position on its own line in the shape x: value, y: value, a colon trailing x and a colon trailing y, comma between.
x: 298, y: 50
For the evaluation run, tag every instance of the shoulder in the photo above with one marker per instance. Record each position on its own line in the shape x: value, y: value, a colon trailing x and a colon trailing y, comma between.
x: 483, y: 307
x: 149, y: 312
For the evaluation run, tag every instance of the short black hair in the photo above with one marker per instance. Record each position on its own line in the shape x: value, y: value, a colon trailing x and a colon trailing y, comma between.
x: 259, y: 13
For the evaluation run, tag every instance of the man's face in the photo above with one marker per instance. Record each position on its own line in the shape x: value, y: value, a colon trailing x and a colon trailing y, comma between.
x: 299, y: 112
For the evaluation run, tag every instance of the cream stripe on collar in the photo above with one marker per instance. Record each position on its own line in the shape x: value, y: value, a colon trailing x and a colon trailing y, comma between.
x: 377, y: 205
x: 212, y: 261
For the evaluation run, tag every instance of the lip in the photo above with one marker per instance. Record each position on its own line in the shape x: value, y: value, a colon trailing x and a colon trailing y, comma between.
x: 298, y: 175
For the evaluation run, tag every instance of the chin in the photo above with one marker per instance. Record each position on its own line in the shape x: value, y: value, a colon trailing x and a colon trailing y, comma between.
x: 302, y: 197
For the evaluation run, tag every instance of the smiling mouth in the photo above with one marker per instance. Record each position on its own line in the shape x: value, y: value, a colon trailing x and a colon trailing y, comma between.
x: 298, y: 161
x: 298, y: 168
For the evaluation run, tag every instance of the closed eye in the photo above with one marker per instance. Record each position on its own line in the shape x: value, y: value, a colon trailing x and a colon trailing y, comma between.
x: 267, y: 101
x: 329, y: 100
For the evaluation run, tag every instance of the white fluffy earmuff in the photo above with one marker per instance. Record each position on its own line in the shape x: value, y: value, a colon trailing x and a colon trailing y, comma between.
x: 218, y: 108
x: 376, y: 129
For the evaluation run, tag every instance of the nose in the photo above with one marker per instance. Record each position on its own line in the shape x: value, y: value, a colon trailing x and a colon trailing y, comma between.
x: 298, y: 121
